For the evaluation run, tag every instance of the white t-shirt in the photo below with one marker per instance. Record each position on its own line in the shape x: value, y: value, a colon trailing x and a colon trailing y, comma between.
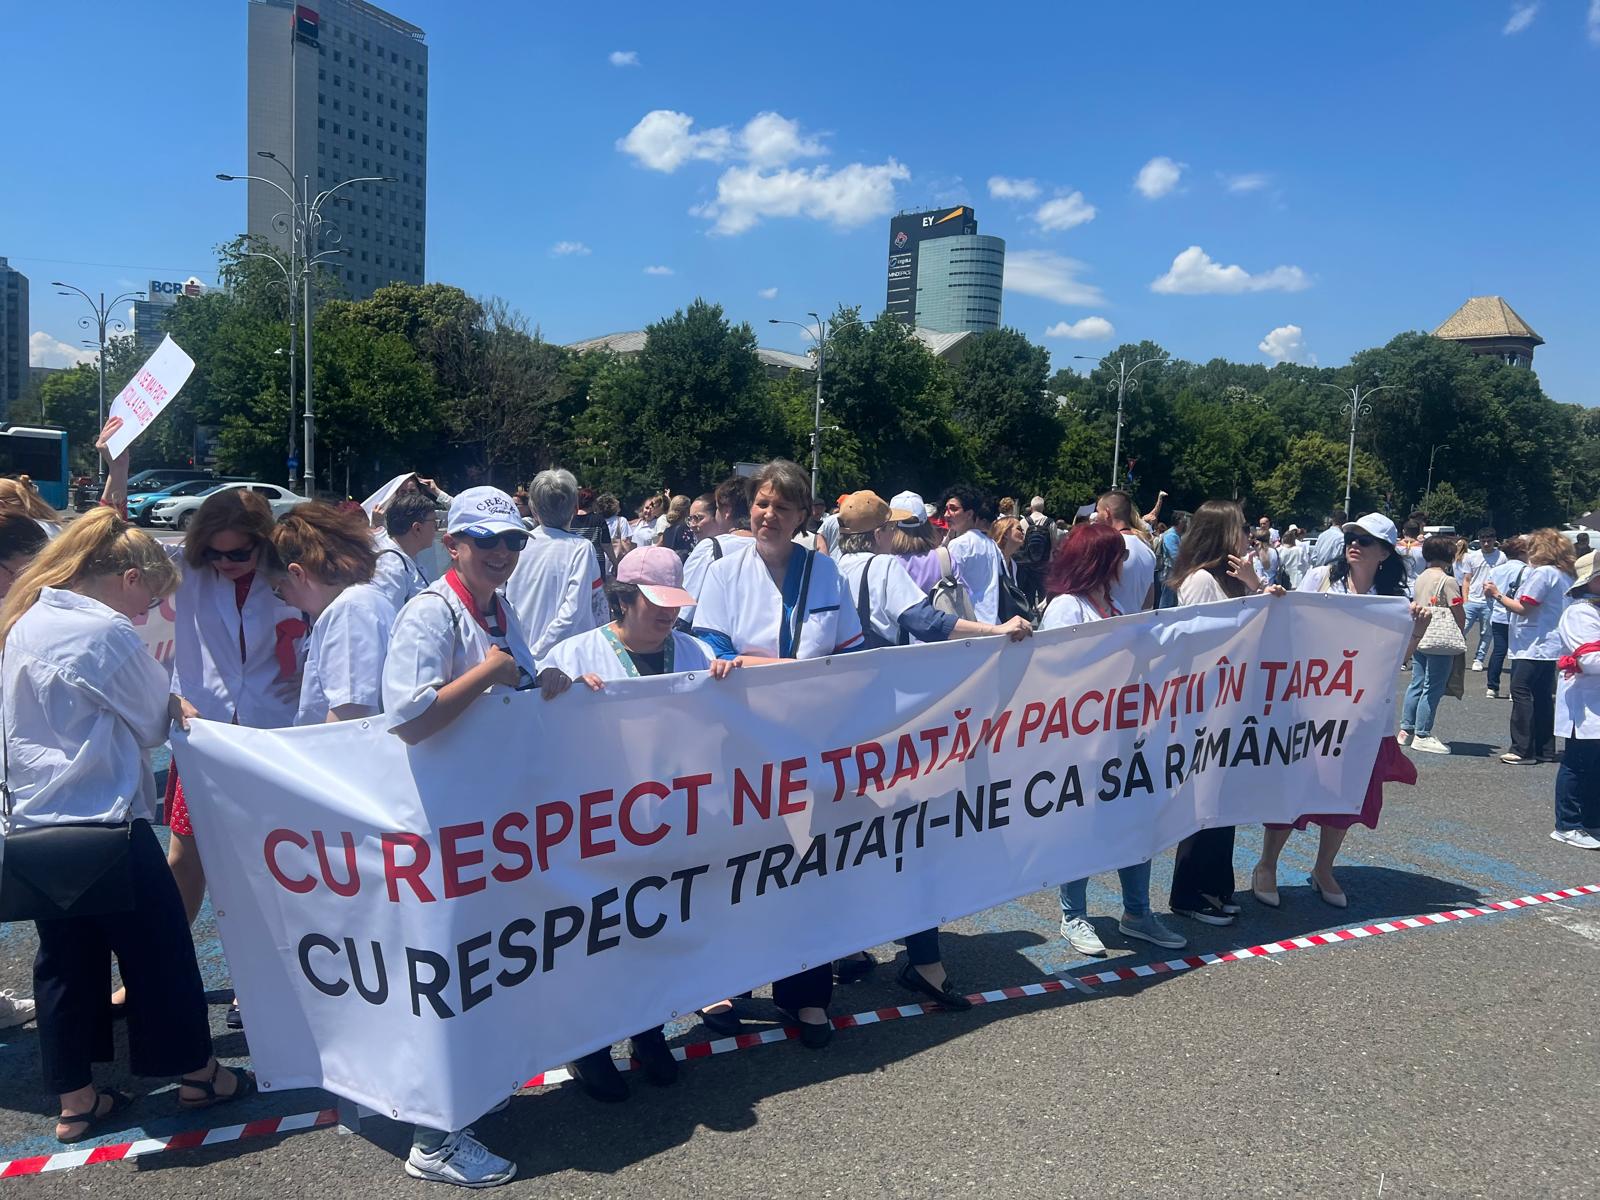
x: 1578, y: 698
x: 1201, y: 587
x: 643, y: 533
x: 344, y: 655
x: 1508, y: 579
x: 890, y: 590
x: 1478, y: 565
x: 621, y: 528
x: 591, y: 653
x: 699, y: 562
x: 1329, y: 546
x: 829, y: 529
x: 1138, y: 574
x: 1065, y: 611
x: 1295, y: 559
x: 437, y: 639
x: 980, y: 562
x: 1536, y: 633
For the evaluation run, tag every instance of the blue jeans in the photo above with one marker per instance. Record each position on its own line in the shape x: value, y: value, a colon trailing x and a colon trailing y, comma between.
x: 1430, y: 674
x: 1578, y: 785
x: 1477, y: 614
x: 1135, y: 893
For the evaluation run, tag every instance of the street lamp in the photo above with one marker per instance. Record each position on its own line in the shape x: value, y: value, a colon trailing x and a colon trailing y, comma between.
x: 819, y: 335
x: 99, y: 319
x: 1428, y: 491
x: 305, y: 227
x: 1356, y: 405
x: 1123, y: 382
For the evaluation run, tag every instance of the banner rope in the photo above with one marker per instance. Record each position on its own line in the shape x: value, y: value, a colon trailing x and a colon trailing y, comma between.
x: 266, y: 1127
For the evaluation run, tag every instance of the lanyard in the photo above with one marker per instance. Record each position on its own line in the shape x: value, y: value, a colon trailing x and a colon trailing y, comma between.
x: 471, y: 605
x: 625, y: 657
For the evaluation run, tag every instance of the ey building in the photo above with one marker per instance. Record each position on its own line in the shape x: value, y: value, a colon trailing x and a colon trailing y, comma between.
x: 338, y: 90
x: 944, y: 275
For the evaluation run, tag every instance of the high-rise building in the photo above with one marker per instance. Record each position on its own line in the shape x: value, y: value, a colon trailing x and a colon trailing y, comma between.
x: 150, y: 314
x: 943, y: 275
x: 13, y: 336
x: 338, y: 89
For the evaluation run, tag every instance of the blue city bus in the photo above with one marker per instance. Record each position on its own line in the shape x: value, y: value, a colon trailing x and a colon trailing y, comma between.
x: 40, y: 454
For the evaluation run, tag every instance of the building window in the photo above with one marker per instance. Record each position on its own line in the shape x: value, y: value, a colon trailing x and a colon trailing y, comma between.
x: 321, y: 99
x: 322, y: 122
x: 336, y: 57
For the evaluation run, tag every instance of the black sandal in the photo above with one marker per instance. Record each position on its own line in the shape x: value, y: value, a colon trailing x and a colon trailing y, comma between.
x: 245, y: 1087
x: 94, y: 1118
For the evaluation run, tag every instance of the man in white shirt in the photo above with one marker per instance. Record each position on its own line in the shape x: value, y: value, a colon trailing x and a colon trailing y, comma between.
x: 410, y: 524
x: 1477, y: 566
x: 973, y: 551
x: 1330, y: 542
x: 1135, y: 590
x: 556, y: 589
x: 1264, y: 525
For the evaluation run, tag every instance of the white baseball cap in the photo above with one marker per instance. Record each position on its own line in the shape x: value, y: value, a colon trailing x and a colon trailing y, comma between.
x: 484, y: 512
x: 1378, y: 525
x: 910, y: 502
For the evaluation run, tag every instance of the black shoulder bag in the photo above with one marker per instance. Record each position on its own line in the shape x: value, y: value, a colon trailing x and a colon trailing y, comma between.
x: 74, y: 869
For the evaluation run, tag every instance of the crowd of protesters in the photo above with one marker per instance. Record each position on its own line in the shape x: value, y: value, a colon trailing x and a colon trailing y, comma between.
x: 329, y: 614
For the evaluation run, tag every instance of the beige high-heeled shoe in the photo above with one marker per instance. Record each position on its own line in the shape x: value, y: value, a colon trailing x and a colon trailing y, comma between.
x: 1336, y: 899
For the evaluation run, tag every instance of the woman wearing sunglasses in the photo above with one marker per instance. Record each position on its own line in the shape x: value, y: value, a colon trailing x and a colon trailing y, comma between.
x: 235, y: 652
x: 323, y: 562
x: 1370, y: 566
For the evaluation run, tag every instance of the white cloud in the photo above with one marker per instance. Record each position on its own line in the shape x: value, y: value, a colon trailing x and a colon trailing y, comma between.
x: 663, y: 141
x: 1159, y: 176
x: 658, y: 270
x: 1287, y: 343
x: 46, y: 351
x: 562, y: 249
x: 1002, y: 188
x: 1250, y: 181
x: 1594, y: 21
x: 1522, y: 16
x: 1195, y: 273
x: 770, y: 139
x: 1064, y: 212
x: 1049, y: 276
x: 1088, y: 329
x: 768, y: 293
x: 623, y: 58
x: 849, y: 196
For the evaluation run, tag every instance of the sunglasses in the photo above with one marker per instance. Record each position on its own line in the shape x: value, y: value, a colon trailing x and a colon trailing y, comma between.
x: 211, y: 554
x: 154, y: 604
x: 513, y: 542
x: 1361, y: 540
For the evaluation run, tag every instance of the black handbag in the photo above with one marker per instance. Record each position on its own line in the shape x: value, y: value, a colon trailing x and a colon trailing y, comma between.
x: 74, y: 869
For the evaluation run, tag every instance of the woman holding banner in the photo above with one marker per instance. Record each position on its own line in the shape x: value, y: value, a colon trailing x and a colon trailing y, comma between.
x: 1081, y: 580
x: 84, y: 704
x: 1370, y: 566
x: 779, y: 601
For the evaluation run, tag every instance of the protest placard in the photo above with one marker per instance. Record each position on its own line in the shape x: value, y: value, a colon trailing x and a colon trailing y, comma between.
x: 149, y: 391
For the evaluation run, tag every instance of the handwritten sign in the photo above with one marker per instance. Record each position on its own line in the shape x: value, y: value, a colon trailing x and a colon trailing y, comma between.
x: 149, y: 391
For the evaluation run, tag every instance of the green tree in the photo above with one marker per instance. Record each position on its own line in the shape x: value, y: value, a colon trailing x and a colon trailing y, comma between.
x: 1003, y: 403
x: 1310, y: 481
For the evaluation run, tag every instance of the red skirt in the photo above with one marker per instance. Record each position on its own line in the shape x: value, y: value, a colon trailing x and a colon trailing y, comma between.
x: 177, y: 807
x: 1391, y: 766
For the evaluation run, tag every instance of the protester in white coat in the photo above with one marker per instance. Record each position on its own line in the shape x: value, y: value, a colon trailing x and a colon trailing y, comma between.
x: 451, y: 644
x: 84, y: 704
x: 557, y: 588
x: 410, y: 524
x: 1578, y: 719
x: 322, y: 563
x: 237, y: 647
x: 726, y: 531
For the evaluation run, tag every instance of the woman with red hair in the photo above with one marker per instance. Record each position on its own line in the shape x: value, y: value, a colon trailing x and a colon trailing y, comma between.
x: 1082, y: 576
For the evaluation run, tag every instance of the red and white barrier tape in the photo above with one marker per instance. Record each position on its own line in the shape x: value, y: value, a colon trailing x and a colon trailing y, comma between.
x: 266, y: 1127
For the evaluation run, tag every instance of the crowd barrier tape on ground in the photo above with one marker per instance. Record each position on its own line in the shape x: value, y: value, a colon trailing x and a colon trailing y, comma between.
x: 421, y: 929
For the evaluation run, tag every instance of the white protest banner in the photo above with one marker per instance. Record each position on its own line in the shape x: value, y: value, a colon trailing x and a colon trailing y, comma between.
x: 149, y: 391
x: 422, y: 928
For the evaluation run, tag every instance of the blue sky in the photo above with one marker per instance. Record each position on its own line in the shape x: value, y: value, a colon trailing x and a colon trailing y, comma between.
x: 1349, y: 170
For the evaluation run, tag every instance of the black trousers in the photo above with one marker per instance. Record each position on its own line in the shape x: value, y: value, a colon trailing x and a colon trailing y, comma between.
x: 811, y: 988
x: 168, y: 1030
x: 1533, y: 707
x: 1202, y: 865
x: 1499, y: 635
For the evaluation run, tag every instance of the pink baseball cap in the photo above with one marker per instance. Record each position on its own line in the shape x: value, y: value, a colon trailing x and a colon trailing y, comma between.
x: 658, y: 573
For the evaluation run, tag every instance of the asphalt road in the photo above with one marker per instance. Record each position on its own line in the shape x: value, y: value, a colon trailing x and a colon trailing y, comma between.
x: 1456, y: 1060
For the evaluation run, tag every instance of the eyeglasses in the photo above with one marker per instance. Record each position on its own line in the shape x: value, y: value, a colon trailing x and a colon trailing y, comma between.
x: 211, y: 554
x: 513, y: 542
x: 1361, y: 540
x: 696, y: 518
x: 155, y: 603
x: 952, y: 509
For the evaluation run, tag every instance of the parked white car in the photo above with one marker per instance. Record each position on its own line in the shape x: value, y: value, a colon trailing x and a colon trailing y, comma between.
x: 177, y: 512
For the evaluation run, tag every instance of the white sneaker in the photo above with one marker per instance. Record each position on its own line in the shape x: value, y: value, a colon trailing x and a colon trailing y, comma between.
x: 1576, y: 838
x: 1430, y: 745
x: 1491, y: 694
x: 1149, y: 928
x: 14, y: 1010
x: 1403, y: 738
x: 463, y: 1161
x: 1081, y: 937
x: 1477, y: 666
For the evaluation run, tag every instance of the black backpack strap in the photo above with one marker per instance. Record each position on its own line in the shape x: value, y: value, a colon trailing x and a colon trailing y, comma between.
x: 863, y: 605
x: 798, y: 621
